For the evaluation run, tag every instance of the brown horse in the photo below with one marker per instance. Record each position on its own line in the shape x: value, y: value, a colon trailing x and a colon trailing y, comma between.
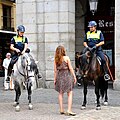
x: 91, y: 70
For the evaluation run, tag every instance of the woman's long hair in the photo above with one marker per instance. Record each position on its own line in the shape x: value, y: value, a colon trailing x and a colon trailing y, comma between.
x: 60, y: 52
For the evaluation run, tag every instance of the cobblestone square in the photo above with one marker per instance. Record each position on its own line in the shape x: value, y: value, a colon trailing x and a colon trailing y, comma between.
x: 46, y: 107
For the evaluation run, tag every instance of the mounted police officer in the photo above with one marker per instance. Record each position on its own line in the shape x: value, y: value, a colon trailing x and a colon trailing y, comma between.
x: 19, y: 45
x: 94, y: 39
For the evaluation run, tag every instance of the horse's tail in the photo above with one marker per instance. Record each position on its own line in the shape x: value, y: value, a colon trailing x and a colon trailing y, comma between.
x: 103, y: 86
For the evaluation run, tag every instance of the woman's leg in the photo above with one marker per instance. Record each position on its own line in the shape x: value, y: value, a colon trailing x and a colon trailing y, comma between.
x: 69, y: 111
x: 70, y: 94
x: 60, y: 98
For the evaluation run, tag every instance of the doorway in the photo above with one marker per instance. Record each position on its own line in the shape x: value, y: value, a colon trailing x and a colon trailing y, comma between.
x: 105, y: 17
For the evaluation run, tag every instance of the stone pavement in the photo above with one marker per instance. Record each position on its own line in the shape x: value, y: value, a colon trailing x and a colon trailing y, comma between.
x: 46, y: 107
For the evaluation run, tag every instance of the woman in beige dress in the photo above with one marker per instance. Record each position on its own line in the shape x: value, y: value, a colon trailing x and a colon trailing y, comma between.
x: 64, y: 78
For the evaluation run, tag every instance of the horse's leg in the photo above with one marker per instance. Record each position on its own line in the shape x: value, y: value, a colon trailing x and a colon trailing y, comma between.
x: 106, y: 96
x: 97, y: 94
x: 29, y: 84
x: 85, y: 83
x: 18, y: 93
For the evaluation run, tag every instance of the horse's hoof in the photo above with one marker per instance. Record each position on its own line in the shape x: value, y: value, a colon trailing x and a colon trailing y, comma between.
x: 83, y: 107
x: 105, y: 103
x: 30, y: 106
x: 17, y: 108
x: 98, y: 108
x: 15, y: 104
x: 95, y: 102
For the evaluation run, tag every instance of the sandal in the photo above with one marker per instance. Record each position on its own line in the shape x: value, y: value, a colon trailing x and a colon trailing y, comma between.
x: 70, y: 113
x: 62, y: 112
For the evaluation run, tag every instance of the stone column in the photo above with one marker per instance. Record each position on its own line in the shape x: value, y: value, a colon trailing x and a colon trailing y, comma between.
x: 29, y: 15
x: 51, y: 37
x: 59, y: 30
x: 116, y: 84
x: 79, y: 24
x: 1, y: 14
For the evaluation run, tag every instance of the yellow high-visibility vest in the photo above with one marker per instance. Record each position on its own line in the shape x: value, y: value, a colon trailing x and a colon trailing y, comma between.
x: 93, y: 35
x: 19, y: 39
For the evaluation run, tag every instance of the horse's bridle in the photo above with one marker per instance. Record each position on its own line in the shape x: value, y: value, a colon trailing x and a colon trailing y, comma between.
x: 27, y: 72
x: 22, y: 73
x: 84, y: 74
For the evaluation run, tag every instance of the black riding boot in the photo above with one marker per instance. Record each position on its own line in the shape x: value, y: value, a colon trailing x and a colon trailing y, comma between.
x: 10, y: 67
x: 37, y: 73
x: 106, y: 75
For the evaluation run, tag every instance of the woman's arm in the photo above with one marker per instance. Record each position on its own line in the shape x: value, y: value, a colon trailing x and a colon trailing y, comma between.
x: 71, y: 69
x: 55, y: 72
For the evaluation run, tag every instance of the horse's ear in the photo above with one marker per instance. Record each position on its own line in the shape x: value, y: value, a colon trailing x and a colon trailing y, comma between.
x: 36, y: 62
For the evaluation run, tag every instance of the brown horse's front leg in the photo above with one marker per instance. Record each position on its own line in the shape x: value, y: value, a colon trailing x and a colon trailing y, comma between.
x: 85, y: 83
x: 98, y: 107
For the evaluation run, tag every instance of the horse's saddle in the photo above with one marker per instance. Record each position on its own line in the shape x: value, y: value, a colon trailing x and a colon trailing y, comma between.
x: 99, y: 60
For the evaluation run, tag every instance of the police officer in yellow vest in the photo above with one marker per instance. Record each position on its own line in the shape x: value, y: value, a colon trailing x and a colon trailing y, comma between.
x: 19, y: 44
x: 94, y: 39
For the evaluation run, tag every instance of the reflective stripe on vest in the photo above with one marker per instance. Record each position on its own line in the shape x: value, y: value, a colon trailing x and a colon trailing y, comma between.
x: 94, y: 35
x: 19, y: 39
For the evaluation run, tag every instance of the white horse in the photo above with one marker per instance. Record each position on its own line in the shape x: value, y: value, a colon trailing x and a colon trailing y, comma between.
x: 24, y: 73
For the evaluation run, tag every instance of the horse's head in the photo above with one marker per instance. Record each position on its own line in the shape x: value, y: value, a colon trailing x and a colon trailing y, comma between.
x: 85, y: 60
x: 29, y: 67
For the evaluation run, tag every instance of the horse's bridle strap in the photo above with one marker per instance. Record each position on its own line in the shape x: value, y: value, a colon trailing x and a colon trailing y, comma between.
x: 30, y: 76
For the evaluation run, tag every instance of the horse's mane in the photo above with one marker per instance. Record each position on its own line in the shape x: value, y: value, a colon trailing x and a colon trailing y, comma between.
x: 30, y: 60
x: 88, y: 60
x: 93, y: 62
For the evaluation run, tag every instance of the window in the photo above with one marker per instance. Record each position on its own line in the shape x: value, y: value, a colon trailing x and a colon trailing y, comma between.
x: 6, y: 17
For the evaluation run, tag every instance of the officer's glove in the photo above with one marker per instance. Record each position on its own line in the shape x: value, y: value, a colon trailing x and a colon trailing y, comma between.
x: 93, y: 48
x: 27, y: 50
x: 88, y: 48
x: 85, y: 49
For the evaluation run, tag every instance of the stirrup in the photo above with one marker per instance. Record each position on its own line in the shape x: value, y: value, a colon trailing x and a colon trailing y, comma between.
x: 85, y: 75
x: 106, y: 77
x: 13, y: 70
x: 39, y: 76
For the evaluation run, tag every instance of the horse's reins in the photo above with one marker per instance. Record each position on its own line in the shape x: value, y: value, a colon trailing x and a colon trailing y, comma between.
x: 17, y: 65
x: 27, y: 72
x: 85, y: 75
x: 109, y: 68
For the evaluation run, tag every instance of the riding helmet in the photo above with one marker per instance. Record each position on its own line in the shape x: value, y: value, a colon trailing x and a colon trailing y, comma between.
x: 21, y: 28
x: 92, y: 24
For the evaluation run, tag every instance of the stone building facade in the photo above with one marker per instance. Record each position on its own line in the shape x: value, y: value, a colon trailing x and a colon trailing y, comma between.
x: 7, y: 28
x: 50, y: 23
x: 116, y: 84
